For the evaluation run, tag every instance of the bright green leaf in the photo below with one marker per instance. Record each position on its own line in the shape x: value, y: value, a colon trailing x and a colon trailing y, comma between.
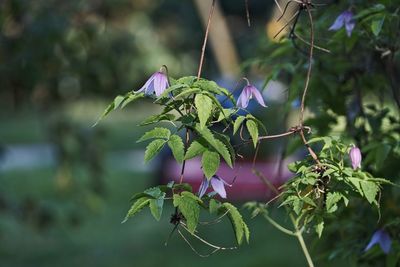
x: 157, y: 132
x: 196, y: 148
x: 177, y: 147
x: 153, y: 149
x: 204, y: 107
x: 238, y: 122
x: 188, y: 204
x: 253, y: 131
x: 136, y: 207
x: 210, y: 163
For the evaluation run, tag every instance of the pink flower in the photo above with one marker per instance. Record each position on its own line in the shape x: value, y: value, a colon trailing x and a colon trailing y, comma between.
x: 247, y: 93
x: 355, y: 157
x: 217, y: 183
x: 157, y: 83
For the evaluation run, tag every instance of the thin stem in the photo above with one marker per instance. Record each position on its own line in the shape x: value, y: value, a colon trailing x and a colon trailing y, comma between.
x: 279, y: 227
x: 299, y: 236
x: 306, y: 86
x: 184, y: 161
x: 203, y: 49
x: 276, y: 135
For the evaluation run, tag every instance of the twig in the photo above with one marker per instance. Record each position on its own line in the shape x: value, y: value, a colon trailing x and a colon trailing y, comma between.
x: 203, y: 49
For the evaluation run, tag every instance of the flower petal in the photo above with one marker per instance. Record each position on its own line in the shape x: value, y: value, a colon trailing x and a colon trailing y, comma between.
x: 203, y: 187
x: 349, y: 27
x: 160, y: 83
x: 147, y: 86
x: 218, y: 186
x: 385, y: 242
x: 243, y: 100
x: 339, y: 22
x: 374, y: 240
x: 258, y: 96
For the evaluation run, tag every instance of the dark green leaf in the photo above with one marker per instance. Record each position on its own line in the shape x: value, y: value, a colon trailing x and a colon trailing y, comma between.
x: 238, y: 224
x: 188, y: 204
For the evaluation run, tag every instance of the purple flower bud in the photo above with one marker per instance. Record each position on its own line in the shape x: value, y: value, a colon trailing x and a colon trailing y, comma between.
x: 344, y: 19
x: 382, y: 238
x: 355, y: 157
x: 247, y: 93
x: 157, y: 83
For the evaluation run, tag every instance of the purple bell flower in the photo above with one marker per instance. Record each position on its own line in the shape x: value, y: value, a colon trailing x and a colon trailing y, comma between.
x: 355, y: 157
x: 157, y: 83
x: 217, y: 183
x: 382, y: 238
x: 344, y: 19
x: 247, y: 93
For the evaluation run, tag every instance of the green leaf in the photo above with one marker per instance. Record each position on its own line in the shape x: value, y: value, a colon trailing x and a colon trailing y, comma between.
x: 214, y: 206
x: 117, y: 102
x: 157, y: 132
x: 157, y: 118
x: 210, y: 163
x: 188, y: 91
x: 331, y: 201
x: 153, y: 149
x: 136, y: 207
x: 238, y: 122
x: 207, y: 135
x: 204, y: 107
x: 196, y: 148
x: 130, y: 97
x: 253, y: 131
x: 239, y: 226
x: 227, y: 142
x: 370, y: 190
x: 319, y: 227
x: 376, y: 25
x: 225, y: 114
x: 188, y: 204
x: 177, y: 147
x: 156, y: 207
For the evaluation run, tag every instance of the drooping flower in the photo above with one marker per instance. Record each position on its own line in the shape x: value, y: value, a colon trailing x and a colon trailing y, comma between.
x: 382, y: 238
x: 355, y: 157
x: 344, y: 19
x: 247, y: 93
x: 217, y: 184
x: 157, y: 83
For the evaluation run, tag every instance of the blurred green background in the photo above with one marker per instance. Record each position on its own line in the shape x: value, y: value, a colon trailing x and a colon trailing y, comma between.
x: 65, y: 186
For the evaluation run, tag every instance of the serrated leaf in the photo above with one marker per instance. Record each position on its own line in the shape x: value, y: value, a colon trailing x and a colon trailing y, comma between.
x: 177, y: 147
x: 153, y: 192
x: 238, y: 224
x: 188, y: 91
x: 370, y: 190
x: 156, y: 207
x: 130, y: 97
x: 204, y: 107
x: 158, y: 132
x: 136, y: 207
x: 238, y: 122
x: 210, y: 163
x: 331, y: 201
x: 207, y: 135
x: 153, y: 149
x: 157, y: 118
x: 227, y: 142
x: 196, y: 148
x: 188, y: 204
x: 116, y: 103
x: 253, y: 131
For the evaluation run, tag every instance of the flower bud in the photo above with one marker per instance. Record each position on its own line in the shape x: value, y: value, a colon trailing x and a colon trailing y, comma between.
x: 355, y: 157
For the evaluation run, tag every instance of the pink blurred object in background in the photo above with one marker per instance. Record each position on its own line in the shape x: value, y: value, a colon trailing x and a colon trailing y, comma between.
x: 247, y: 186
